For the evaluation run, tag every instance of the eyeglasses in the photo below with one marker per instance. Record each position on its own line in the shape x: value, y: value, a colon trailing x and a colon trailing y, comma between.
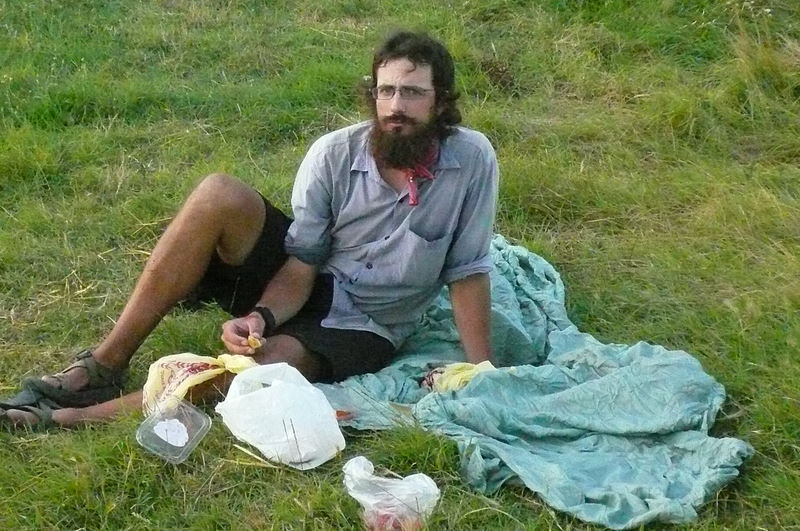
x: 387, y: 92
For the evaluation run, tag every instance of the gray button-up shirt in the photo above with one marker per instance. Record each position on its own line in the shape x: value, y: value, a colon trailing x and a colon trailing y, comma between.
x: 390, y: 259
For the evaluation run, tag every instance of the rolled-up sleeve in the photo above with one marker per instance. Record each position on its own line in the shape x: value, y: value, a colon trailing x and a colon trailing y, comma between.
x: 309, y: 236
x: 469, y: 250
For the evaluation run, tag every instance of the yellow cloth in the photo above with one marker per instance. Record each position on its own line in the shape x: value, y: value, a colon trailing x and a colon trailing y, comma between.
x: 457, y: 375
x: 172, y: 376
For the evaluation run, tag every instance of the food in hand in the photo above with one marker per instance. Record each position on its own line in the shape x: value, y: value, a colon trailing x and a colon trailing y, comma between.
x: 254, y: 342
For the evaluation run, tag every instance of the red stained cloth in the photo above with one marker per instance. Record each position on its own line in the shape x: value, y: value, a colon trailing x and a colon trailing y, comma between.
x: 421, y: 171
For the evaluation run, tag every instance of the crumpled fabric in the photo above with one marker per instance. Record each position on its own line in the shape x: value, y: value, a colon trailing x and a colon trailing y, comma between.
x: 172, y: 376
x: 613, y: 434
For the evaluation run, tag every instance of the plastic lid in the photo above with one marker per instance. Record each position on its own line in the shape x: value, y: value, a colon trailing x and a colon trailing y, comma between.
x: 173, y: 430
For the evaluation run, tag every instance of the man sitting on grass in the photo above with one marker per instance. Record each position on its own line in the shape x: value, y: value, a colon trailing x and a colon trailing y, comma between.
x: 385, y: 212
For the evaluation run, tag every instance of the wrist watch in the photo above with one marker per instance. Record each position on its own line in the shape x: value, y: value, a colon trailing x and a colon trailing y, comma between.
x: 269, y: 319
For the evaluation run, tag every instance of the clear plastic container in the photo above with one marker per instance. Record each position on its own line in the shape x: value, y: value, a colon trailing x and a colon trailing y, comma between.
x: 174, y: 430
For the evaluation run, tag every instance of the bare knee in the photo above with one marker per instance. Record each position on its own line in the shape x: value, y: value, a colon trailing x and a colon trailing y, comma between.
x: 281, y: 348
x: 222, y: 192
x: 287, y: 349
x: 232, y: 210
x: 218, y: 180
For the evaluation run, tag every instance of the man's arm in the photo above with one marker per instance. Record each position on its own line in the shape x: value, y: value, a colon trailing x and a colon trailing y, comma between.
x: 469, y: 259
x: 285, y: 294
x: 289, y: 289
x: 471, y: 300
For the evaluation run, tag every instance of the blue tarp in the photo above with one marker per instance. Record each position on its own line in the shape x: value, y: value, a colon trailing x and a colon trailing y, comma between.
x: 612, y: 434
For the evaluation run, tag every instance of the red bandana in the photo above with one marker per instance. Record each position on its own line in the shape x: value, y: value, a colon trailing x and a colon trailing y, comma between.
x: 421, y: 171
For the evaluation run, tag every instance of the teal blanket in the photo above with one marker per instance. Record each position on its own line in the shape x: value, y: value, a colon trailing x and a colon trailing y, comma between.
x: 612, y: 434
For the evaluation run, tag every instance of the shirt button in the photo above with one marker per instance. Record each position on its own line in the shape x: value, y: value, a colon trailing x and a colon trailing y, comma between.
x: 369, y: 265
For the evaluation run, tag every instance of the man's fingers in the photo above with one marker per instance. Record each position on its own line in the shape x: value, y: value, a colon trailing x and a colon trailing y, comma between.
x: 234, y: 336
x: 243, y: 335
x: 230, y: 334
x: 238, y: 346
x: 255, y: 325
x: 234, y: 348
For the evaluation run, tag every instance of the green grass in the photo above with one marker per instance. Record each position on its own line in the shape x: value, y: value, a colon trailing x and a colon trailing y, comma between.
x: 648, y: 149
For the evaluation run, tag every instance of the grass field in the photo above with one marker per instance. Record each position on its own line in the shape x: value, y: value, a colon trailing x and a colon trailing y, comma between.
x: 648, y: 149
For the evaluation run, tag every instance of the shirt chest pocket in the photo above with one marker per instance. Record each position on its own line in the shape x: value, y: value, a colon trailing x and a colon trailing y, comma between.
x: 420, y: 260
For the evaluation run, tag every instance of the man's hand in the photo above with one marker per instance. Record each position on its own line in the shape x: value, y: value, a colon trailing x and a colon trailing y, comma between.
x: 284, y: 296
x: 237, y: 334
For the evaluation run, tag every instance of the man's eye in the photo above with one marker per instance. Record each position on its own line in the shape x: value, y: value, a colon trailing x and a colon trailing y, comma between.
x: 386, y: 92
x: 411, y: 92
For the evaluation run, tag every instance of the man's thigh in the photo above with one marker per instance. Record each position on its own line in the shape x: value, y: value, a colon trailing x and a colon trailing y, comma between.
x: 237, y: 288
x: 340, y: 353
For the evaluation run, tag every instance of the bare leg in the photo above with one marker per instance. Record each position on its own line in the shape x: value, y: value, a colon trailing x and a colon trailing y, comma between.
x: 124, y: 405
x: 221, y: 214
x: 276, y: 349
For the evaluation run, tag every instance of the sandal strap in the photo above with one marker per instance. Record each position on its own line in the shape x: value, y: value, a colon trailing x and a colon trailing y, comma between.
x: 27, y: 396
x: 99, y: 375
x: 43, y: 411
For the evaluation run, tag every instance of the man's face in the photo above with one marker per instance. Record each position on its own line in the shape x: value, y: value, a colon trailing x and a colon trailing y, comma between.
x: 400, y: 115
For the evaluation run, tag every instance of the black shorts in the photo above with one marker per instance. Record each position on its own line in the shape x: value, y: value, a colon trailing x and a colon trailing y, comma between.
x: 237, y: 289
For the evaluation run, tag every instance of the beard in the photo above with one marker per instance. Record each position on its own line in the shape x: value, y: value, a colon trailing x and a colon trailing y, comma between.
x: 392, y: 148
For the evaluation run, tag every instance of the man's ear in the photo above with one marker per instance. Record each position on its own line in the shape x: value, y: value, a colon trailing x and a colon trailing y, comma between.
x: 440, y: 106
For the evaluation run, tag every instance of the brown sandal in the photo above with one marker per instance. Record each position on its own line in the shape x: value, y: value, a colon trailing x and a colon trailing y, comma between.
x: 104, y: 384
x: 43, y: 411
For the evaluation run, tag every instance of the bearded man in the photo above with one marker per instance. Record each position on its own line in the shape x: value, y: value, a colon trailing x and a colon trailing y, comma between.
x: 385, y: 213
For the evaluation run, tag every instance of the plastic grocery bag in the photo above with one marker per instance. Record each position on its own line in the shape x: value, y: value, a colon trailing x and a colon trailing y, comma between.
x: 390, y: 504
x: 274, y: 408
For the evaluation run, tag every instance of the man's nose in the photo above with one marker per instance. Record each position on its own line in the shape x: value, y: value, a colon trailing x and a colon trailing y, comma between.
x: 397, y: 103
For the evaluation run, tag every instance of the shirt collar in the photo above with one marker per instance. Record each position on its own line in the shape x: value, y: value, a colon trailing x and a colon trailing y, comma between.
x: 446, y: 161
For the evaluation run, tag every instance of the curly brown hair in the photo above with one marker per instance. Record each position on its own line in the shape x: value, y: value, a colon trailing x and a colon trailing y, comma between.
x: 420, y: 48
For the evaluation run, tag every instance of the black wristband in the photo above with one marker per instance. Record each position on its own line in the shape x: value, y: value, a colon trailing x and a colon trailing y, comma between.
x: 269, y: 319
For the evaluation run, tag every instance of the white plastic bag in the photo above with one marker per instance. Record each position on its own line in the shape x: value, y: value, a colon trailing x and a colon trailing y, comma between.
x: 390, y: 504
x: 274, y: 408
